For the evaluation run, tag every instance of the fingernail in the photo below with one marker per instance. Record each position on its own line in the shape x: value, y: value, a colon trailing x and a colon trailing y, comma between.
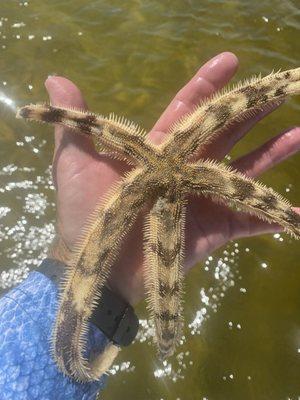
x: 216, y: 60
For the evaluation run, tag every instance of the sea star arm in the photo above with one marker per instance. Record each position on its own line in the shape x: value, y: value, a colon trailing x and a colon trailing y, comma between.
x: 232, y: 188
x: 118, y: 136
x: 164, y: 242
x: 88, y: 270
x: 210, y: 118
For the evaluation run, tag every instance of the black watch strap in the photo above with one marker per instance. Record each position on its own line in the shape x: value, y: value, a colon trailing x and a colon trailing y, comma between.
x: 112, y: 315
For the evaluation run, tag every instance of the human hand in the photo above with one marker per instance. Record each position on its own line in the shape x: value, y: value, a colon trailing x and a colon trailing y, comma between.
x: 82, y: 176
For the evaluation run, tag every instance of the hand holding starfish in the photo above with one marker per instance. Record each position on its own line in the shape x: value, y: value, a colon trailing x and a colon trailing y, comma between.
x: 81, y: 175
x: 164, y: 174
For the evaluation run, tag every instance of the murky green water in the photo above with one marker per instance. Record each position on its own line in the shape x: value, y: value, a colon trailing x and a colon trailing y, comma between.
x: 242, y: 338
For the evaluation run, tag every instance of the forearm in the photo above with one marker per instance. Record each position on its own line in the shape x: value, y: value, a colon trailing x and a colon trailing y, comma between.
x: 27, y: 370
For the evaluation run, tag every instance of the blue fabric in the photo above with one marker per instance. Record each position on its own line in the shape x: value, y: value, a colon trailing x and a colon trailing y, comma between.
x: 27, y: 371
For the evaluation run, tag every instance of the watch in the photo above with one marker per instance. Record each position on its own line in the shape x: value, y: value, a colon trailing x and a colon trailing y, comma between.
x: 112, y: 315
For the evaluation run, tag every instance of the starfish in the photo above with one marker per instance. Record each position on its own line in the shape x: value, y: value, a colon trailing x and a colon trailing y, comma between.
x: 161, y: 177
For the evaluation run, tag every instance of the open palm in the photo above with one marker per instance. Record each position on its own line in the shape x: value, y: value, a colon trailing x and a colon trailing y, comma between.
x: 82, y: 176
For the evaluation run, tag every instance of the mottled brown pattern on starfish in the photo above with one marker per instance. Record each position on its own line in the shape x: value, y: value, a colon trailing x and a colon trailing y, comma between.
x: 164, y: 177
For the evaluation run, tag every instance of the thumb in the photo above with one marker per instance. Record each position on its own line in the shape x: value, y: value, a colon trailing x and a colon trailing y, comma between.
x: 64, y: 93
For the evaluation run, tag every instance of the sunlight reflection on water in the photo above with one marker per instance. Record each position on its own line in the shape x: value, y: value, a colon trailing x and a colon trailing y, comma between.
x: 242, y: 336
x: 24, y: 244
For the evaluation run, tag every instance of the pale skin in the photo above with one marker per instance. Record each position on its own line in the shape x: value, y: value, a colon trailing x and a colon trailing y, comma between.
x: 82, y: 176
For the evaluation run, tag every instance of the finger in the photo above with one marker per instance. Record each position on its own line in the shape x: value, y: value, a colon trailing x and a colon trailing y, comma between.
x: 63, y: 92
x: 224, y: 143
x: 246, y: 225
x: 255, y: 163
x: 209, y: 78
x: 271, y: 153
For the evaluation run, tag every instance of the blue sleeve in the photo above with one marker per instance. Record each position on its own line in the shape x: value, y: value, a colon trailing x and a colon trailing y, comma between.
x: 27, y: 371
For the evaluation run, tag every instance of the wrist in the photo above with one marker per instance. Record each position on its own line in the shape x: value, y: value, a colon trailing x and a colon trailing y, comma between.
x: 130, y: 293
x: 113, y: 315
x: 127, y: 286
x: 59, y: 250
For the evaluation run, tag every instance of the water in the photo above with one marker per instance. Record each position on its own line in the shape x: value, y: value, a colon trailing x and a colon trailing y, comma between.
x: 242, y: 337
